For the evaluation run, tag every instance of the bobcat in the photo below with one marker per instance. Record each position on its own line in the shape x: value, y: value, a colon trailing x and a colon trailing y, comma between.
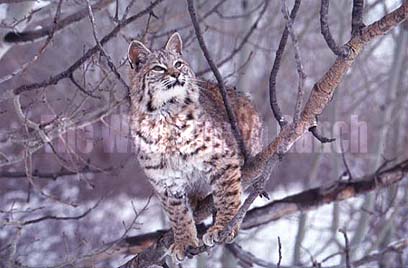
x: 186, y: 146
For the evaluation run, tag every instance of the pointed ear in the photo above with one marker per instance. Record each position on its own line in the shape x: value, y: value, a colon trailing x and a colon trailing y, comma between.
x: 137, y: 53
x: 174, y: 44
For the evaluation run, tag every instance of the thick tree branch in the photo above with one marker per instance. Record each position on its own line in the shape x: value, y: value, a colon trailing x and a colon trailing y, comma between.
x: 151, y: 246
x: 323, y: 91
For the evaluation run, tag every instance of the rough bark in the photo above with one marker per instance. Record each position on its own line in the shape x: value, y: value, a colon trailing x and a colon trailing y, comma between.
x: 149, y: 247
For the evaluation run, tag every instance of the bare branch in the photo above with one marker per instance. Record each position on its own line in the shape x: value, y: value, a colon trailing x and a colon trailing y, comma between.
x: 202, y: 18
x: 397, y: 246
x: 61, y: 218
x: 217, y: 74
x: 298, y: 60
x: 14, y: 1
x: 247, y: 258
x: 318, y: 136
x: 323, y: 91
x: 66, y: 73
x: 71, y: 77
x: 52, y: 175
x: 357, y: 17
x: 17, y: 37
x: 276, y: 66
x: 241, y: 44
x: 102, y: 51
x: 152, y: 245
x: 325, y: 30
x: 280, y: 253
x: 42, y: 49
x: 343, y: 157
x: 347, y: 248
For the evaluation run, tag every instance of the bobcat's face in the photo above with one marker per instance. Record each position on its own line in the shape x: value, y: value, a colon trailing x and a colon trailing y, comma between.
x: 165, y: 78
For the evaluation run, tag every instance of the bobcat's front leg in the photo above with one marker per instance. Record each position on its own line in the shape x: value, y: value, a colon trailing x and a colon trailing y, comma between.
x: 226, y: 188
x: 182, y: 223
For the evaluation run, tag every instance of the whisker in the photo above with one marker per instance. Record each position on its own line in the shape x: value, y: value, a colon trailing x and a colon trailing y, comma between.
x: 196, y: 79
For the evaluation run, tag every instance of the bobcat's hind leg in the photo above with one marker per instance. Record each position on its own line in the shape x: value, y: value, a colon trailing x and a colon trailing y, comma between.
x: 227, y: 199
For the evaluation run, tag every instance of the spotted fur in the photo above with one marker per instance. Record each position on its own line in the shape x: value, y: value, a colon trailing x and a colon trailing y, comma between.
x: 185, y: 142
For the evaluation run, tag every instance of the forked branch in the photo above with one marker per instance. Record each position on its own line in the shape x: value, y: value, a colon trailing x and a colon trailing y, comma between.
x: 323, y: 91
x: 151, y: 246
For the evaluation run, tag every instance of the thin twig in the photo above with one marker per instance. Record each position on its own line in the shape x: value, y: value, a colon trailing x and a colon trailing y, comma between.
x: 397, y: 246
x: 325, y: 30
x: 247, y: 258
x: 188, y: 25
x: 127, y: 9
x: 53, y: 175
x: 71, y: 77
x: 42, y: 49
x: 116, y: 17
x: 343, y: 157
x: 62, y: 218
x: 319, y: 136
x: 100, y: 47
x: 241, y: 44
x: 357, y: 17
x: 279, y: 252
x: 16, y: 37
x: 347, y: 248
x: 66, y: 73
x: 275, y: 69
x: 298, y: 60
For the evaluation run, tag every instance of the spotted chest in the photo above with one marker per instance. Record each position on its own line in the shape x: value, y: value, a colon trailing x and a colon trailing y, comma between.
x: 177, y: 149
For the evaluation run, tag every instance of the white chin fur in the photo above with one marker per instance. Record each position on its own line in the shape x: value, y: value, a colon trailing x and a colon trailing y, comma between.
x: 163, y: 96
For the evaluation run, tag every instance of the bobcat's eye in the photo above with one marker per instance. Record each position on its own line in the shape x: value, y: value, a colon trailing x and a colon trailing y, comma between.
x: 158, y: 68
x: 178, y: 64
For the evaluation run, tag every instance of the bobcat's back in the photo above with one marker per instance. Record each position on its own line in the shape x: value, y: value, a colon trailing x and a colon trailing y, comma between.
x: 248, y: 119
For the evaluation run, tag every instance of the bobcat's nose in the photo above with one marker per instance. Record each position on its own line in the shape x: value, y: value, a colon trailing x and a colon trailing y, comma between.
x: 173, y: 72
x: 174, y: 77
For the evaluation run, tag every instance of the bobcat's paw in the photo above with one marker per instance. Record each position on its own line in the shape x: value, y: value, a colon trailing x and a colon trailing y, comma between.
x: 212, y: 236
x: 178, y: 249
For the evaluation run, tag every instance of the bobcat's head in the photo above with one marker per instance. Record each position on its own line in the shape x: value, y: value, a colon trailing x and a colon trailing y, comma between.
x: 161, y: 79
